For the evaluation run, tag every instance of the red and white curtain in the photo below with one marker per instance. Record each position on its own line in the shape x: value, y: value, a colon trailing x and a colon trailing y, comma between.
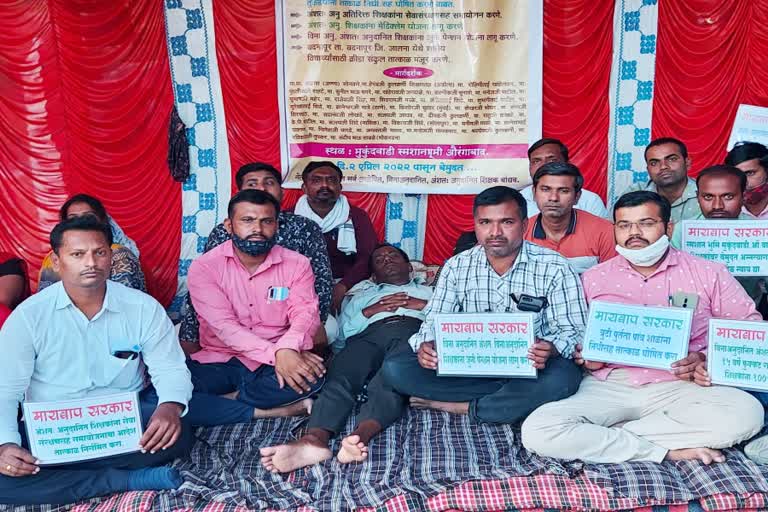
x: 86, y: 89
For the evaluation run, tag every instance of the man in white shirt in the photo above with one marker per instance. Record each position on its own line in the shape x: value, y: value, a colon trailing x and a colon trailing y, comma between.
x: 544, y: 151
x: 82, y: 337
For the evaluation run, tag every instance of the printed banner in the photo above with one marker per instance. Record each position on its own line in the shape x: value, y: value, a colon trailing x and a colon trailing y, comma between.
x: 484, y: 345
x: 738, y: 354
x: 644, y: 336
x: 750, y: 124
x: 411, y: 96
x: 741, y: 245
x: 78, y: 430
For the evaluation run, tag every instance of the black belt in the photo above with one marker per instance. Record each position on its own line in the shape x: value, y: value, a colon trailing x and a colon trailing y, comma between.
x: 394, y: 319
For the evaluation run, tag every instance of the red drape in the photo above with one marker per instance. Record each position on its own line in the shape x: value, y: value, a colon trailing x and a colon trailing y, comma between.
x: 247, y: 59
x: 710, y: 57
x: 577, y: 68
x: 87, y: 95
x: 245, y: 49
x: 31, y: 130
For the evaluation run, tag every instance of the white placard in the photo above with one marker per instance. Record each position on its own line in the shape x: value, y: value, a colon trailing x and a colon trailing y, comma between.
x: 741, y: 245
x: 89, y: 428
x: 484, y: 344
x: 643, y: 336
x: 750, y: 125
x: 738, y: 353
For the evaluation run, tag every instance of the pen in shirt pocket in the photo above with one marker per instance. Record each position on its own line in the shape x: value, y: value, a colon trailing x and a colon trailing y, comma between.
x: 128, y: 354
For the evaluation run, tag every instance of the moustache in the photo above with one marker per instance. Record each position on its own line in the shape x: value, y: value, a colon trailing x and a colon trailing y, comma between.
x: 638, y: 238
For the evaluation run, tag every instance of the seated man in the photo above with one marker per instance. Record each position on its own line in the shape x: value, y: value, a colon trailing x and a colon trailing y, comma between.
x: 258, y: 312
x: 488, y: 278
x: 546, y: 151
x: 376, y: 323
x: 625, y: 413
x: 752, y: 158
x: 294, y: 232
x: 667, y: 162
x: 348, y: 231
x: 582, y: 238
x: 125, y: 268
x: 721, y: 197
x: 63, y: 344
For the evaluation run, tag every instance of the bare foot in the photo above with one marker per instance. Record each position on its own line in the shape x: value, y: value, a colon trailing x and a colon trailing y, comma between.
x: 705, y: 455
x: 303, y: 452
x: 452, y: 407
x: 300, y: 408
x: 352, y: 450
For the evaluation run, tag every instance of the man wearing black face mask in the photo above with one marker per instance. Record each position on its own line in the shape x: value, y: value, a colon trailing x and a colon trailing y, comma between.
x: 258, y: 310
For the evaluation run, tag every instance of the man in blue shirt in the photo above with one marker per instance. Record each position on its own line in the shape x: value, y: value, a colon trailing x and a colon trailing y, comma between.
x: 84, y: 337
x: 376, y: 323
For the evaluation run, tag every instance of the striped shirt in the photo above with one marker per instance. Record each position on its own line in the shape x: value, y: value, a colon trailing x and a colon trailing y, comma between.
x: 468, y: 284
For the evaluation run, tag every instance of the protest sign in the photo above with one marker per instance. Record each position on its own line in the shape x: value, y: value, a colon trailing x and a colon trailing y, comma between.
x: 644, y: 336
x: 741, y: 245
x: 738, y: 353
x: 89, y: 428
x: 484, y: 344
x: 750, y: 124
x: 420, y: 97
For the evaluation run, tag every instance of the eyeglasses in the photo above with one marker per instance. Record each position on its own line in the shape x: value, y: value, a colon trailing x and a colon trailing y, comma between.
x: 642, y: 225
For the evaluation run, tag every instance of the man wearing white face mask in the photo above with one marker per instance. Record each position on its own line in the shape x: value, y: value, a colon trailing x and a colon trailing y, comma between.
x: 625, y: 413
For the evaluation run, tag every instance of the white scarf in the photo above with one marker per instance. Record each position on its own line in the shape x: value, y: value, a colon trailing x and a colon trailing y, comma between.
x: 336, y: 218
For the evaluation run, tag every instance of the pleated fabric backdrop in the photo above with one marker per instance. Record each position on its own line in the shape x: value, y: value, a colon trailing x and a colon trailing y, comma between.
x: 85, y: 95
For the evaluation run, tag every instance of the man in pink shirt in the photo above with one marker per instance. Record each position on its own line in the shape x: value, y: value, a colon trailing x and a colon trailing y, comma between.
x: 258, y: 312
x: 625, y: 413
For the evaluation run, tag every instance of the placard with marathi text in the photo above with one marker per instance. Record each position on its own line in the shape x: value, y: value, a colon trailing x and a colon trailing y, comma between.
x: 78, y: 430
x: 407, y: 96
x: 484, y: 344
x: 750, y: 124
x: 738, y: 353
x: 631, y: 335
x: 741, y: 245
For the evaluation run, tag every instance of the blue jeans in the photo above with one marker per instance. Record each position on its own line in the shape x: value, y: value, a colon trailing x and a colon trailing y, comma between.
x: 256, y: 389
x: 74, y: 482
x: 490, y: 400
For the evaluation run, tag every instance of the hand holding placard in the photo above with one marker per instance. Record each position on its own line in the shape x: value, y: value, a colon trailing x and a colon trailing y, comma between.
x: 16, y: 461
x: 427, y: 355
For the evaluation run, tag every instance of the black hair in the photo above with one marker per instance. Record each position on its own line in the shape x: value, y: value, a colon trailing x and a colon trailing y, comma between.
x: 744, y: 151
x: 252, y: 196
x: 543, y: 142
x: 560, y: 169
x: 316, y: 165
x: 91, y: 201
x: 81, y: 223
x: 256, y: 167
x: 642, y: 197
x: 380, y: 246
x: 500, y: 194
x: 666, y: 140
x: 724, y: 170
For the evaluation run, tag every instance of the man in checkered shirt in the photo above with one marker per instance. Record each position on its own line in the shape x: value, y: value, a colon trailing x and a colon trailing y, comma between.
x: 491, y: 277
